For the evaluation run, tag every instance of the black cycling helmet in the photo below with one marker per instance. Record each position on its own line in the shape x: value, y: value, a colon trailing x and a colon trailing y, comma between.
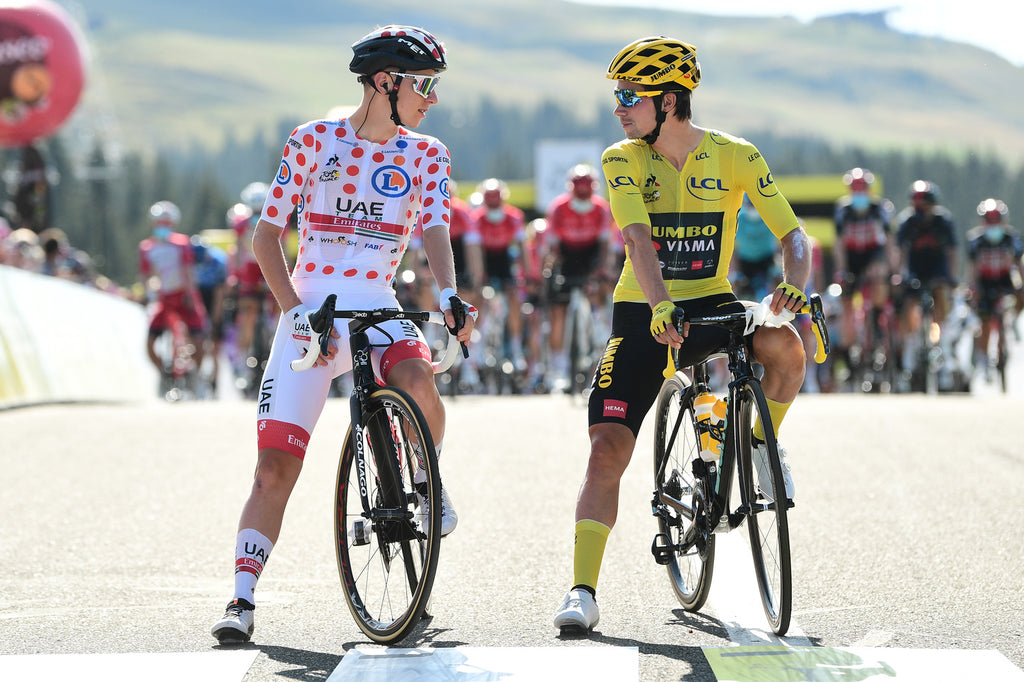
x: 405, y: 48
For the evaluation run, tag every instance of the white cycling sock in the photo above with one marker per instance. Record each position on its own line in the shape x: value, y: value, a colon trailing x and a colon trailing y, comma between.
x: 252, y: 549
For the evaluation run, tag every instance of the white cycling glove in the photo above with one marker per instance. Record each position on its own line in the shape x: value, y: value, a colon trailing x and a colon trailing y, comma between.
x: 446, y: 303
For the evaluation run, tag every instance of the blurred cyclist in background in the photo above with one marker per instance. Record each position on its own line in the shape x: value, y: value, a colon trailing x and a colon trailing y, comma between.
x: 502, y: 230
x: 249, y: 288
x: 211, y: 278
x: 755, y: 268
x: 994, y: 251
x: 927, y: 242
x: 863, y: 258
x: 577, y: 245
x: 166, y: 265
x: 469, y: 266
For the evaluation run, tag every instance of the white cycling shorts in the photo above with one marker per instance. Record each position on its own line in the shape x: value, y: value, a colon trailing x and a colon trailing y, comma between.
x: 290, y: 402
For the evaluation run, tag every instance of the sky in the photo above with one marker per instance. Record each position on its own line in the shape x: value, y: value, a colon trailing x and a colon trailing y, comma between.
x: 992, y: 24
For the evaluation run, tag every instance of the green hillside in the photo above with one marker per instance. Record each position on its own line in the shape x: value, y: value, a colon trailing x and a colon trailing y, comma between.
x: 183, y: 73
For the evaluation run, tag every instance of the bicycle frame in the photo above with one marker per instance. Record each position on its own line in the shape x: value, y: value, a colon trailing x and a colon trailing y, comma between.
x: 365, y: 383
x: 742, y: 375
x: 722, y: 516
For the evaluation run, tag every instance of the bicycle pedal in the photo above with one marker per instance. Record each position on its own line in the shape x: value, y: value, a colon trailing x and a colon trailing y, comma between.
x: 662, y: 549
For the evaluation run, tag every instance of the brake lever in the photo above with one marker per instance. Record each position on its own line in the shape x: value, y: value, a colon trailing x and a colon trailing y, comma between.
x: 459, y: 314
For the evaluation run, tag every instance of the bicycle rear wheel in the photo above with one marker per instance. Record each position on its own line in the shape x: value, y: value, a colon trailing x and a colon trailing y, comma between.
x: 387, y: 554
x: 684, y: 543
x: 767, y: 523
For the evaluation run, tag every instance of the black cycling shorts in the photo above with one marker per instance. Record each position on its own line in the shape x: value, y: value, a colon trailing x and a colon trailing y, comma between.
x: 498, y: 266
x: 629, y: 376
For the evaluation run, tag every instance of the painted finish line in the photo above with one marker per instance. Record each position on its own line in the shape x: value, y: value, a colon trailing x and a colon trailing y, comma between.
x: 486, y: 664
x: 212, y: 666
x: 795, y: 664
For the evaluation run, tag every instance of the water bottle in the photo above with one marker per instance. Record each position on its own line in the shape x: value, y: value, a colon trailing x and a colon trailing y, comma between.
x: 710, y: 414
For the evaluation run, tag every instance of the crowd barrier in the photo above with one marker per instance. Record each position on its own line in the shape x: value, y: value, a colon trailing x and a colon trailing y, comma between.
x: 65, y: 342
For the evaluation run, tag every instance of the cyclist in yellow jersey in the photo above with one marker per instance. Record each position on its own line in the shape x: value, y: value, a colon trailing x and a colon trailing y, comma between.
x: 675, y: 190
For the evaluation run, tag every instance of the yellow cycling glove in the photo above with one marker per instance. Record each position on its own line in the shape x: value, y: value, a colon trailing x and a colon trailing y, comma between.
x: 662, y: 317
x: 793, y: 292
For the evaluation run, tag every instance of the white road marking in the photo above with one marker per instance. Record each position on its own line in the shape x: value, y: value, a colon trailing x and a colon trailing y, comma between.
x: 508, y: 664
x: 873, y: 638
x: 208, y: 666
x: 734, y: 597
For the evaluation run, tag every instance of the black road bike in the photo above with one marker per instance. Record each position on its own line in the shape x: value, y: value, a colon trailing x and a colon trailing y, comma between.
x: 387, y: 521
x: 693, y: 499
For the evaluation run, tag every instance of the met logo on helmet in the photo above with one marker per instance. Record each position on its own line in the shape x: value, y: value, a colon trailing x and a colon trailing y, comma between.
x: 391, y: 181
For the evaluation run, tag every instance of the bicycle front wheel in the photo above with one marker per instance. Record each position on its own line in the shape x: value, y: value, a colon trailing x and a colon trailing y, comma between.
x: 388, y: 546
x: 684, y: 543
x: 767, y: 523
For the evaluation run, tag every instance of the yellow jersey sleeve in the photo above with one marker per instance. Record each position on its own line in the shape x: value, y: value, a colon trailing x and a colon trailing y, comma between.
x: 691, y: 213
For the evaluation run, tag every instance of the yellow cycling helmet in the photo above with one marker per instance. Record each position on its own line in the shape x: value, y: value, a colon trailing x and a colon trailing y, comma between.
x: 657, y: 60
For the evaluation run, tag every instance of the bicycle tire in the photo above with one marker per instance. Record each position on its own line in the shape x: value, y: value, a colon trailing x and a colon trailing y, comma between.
x: 682, y: 522
x: 767, y: 522
x: 387, y: 603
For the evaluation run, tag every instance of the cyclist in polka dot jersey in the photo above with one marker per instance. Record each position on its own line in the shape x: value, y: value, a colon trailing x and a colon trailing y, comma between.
x: 359, y: 187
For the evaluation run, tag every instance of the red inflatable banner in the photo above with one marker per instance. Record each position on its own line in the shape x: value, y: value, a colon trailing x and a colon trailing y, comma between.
x: 41, y: 70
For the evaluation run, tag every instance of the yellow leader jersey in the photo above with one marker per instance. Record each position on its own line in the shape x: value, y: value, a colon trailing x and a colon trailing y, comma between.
x: 691, y: 213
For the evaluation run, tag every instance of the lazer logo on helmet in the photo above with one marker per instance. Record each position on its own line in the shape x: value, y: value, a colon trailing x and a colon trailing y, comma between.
x: 391, y: 181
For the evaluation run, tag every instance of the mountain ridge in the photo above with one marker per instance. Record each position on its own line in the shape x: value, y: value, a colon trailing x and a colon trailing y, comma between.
x: 197, y: 72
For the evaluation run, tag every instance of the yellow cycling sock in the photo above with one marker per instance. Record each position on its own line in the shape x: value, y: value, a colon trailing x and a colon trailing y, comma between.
x: 777, y: 412
x: 588, y: 552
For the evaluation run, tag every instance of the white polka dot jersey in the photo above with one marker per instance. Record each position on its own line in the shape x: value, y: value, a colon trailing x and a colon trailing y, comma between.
x: 358, y: 201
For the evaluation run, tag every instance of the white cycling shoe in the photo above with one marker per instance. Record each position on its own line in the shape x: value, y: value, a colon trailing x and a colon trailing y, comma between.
x: 237, y: 624
x: 449, y: 517
x: 764, y: 475
x: 578, y: 611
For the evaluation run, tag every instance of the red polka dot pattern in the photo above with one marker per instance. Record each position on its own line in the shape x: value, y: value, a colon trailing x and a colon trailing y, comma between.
x: 356, y: 218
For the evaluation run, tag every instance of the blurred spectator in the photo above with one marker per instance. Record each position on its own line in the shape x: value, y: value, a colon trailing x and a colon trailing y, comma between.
x: 22, y: 250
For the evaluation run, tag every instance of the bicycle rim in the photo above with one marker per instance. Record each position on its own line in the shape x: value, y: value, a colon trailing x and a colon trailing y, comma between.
x: 767, y: 525
x: 678, y: 501
x: 387, y: 574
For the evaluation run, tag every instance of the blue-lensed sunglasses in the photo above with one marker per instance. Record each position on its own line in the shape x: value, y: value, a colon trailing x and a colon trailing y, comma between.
x: 630, y: 98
